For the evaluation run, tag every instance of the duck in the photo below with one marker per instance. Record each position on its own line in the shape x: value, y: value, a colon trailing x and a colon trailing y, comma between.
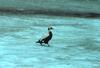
x: 47, y: 38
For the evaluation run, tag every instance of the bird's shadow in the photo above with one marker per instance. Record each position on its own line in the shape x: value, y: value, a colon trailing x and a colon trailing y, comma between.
x: 44, y: 45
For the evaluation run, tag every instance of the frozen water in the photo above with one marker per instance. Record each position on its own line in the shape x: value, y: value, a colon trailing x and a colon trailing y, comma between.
x: 75, y: 42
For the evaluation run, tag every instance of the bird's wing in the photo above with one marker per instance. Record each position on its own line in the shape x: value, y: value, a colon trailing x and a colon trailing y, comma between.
x: 44, y: 36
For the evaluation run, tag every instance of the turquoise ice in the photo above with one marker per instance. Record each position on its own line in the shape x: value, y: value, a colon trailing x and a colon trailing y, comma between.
x: 75, y: 43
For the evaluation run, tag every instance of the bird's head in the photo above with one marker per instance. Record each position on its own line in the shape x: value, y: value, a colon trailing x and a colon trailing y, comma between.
x: 50, y: 28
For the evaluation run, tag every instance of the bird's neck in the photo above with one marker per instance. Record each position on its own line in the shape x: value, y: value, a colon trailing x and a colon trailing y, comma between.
x: 50, y: 32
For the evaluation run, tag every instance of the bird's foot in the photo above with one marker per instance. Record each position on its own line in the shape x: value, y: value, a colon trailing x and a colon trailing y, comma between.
x: 48, y: 45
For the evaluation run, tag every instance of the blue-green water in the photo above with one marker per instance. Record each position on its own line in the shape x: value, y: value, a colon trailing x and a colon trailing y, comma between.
x: 75, y: 43
x: 90, y: 6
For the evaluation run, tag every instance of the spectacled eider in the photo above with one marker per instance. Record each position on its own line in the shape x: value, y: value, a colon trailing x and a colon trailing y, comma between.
x: 47, y: 38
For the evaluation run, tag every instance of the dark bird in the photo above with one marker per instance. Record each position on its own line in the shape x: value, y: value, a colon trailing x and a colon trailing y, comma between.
x: 47, y: 38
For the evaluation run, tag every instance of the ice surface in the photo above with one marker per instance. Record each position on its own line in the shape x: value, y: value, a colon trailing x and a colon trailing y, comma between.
x: 75, y: 42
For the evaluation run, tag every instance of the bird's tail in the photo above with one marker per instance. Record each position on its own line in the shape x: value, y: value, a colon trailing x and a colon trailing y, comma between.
x: 39, y: 41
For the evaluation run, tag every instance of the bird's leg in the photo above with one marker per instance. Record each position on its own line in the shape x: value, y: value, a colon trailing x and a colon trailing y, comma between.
x: 41, y: 44
x: 48, y: 45
x: 42, y: 41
